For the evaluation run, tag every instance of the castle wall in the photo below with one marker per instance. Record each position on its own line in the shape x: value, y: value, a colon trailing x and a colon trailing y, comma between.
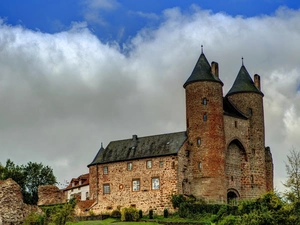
x: 251, y: 104
x: 206, y: 141
x: 121, y: 184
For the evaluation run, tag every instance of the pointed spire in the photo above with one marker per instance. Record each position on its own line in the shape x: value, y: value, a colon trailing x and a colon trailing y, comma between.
x: 243, y: 83
x: 242, y: 60
x: 202, y: 71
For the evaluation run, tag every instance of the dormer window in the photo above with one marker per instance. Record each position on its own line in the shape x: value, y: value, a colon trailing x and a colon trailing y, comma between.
x: 204, y: 101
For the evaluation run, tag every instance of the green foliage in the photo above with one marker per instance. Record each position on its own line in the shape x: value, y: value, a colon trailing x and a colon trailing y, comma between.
x: 151, y: 214
x: 166, y: 213
x: 34, y: 218
x: 293, y: 171
x: 177, y: 200
x: 129, y: 214
x: 116, y: 214
x: 29, y: 177
x: 140, y: 214
x: 66, y: 213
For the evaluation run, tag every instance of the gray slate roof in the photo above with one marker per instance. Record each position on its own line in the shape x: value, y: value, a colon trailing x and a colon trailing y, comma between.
x: 230, y: 110
x: 243, y: 83
x: 202, y: 72
x: 140, y: 147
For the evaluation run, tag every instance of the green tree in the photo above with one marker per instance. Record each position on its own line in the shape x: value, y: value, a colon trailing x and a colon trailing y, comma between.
x: 293, y: 172
x: 29, y: 177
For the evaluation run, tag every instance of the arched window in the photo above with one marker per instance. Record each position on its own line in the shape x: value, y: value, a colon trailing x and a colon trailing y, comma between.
x: 198, y: 141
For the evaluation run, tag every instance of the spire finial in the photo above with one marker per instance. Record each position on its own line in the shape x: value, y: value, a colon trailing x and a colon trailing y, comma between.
x: 201, y: 49
x: 242, y: 60
x: 101, y: 145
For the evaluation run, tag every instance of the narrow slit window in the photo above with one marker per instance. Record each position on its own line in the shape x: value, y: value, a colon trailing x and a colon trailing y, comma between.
x: 200, y: 165
x: 204, y: 101
x: 204, y: 117
x: 250, y: 112
x: 235, y: 124
x: 198, y: 141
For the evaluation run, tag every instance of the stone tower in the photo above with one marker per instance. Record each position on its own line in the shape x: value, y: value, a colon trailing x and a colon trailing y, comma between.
x: 205, y: 131
x: 247, y: 97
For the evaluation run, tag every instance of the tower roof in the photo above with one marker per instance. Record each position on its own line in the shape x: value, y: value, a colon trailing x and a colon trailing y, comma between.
x: 202, y: 72
x: 243, y: 83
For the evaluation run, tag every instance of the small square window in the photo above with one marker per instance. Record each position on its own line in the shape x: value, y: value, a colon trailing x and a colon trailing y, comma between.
x: 155, y: 183
x: 106, y: 188
x: 149, y: 164
x: 161, y: 164
x: 105, y: 170
x: 129, y: 166
x: 136, y: 185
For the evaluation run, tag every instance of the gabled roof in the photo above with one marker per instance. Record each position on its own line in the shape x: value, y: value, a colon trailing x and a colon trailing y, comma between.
x: 243, y: 83
x: 231, y: 110
x: 202, y: 72
x: 141, y: 147
x: 84, y: 178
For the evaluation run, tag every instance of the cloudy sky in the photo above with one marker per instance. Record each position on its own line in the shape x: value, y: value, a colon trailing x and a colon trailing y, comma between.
x: 73, y: 75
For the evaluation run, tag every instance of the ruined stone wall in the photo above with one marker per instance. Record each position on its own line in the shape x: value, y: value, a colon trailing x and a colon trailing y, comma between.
x: 51, y: 195
x: 12, y: 208
x: 120, y: 181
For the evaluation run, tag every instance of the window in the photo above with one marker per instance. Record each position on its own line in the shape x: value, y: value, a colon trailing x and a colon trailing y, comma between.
x: 200, y: 165
x: 161, y: 164
x: 105, y: 170
x: 155, y: 183
x: 204, y: 101
x: 252, y: 179
x: 231, y: 178
x: 106, y: 188
x: 87, y: 195
x: 204, y: 117
x: 235, y: 124
x: 198, y: 141
x: 149, y: 164
x: 136, y: 185
x: 250, y: 112
x: 129, y: 166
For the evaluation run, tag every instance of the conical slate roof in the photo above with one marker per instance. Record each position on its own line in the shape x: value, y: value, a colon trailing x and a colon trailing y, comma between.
x: 243, y: 83
x: 202, y: 72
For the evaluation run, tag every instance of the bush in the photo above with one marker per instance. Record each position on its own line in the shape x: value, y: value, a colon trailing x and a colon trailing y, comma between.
x: 140, y: 214
x: 151, y: 214
x: 34, y: 218
x: 166, y: 213
x: 115, y: 214
x: 129, y: 214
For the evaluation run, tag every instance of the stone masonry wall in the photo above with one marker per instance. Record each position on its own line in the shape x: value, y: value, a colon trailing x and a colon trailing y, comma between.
x: 50, y: 195
x: 12, y: 208
x: 120, y: 180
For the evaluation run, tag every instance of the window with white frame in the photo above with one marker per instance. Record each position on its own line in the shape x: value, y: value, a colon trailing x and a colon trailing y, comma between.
x: 105, y: 170
x: 136, y: 185
x: 149, y: 164
x: 106, y: 188
x: 155, y: 183
x: 129, y: 166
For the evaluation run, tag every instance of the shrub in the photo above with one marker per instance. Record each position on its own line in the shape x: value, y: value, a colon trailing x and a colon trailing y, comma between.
x: 177, y: 200
x: 115, y: 214
x: 34, y: 218
x: 129, y: 214
x: 151, y: 214
x: 166, y: 213
x: 140, y: 214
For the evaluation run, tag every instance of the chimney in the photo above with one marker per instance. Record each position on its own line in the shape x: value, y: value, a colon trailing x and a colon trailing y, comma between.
x: 134, y: 137
x: 215, y: 68
x: 257, y: 81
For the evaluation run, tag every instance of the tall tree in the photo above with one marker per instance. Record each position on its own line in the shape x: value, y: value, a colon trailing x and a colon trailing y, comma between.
x: 29, y: 177
x: 293, y: 172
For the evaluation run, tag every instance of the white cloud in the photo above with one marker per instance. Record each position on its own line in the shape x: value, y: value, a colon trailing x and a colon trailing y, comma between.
x: 63, y: 94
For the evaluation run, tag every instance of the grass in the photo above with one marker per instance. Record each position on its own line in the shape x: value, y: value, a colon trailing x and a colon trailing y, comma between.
x: 109, y: 221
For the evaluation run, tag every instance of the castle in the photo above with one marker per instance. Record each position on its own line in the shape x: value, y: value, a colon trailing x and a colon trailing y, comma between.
x: 221, y: 157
